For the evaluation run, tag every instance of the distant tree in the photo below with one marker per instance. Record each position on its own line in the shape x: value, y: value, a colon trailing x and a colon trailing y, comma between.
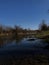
x: 1, y: 29
x: 43, y: 26
x: 18, y: 29
x: 48, y: 27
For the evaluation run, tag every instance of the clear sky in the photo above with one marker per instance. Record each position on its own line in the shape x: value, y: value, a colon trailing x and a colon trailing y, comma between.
x: 26, y: 13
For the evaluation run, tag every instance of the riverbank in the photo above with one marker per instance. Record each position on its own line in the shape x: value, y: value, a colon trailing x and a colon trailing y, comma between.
x: 26, y: 60
x: 24, y: 57
x: 43, y: 35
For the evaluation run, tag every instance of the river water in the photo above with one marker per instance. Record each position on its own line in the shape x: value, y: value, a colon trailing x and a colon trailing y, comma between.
x: 22, y: 47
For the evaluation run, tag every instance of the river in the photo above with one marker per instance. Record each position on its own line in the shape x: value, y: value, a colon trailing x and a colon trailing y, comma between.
x: 11, y: 51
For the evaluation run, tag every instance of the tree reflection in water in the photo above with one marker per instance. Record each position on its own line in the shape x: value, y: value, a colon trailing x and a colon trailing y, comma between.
x: 9, y: 40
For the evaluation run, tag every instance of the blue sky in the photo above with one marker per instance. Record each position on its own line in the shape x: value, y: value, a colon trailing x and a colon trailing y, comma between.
x: 25, y: 13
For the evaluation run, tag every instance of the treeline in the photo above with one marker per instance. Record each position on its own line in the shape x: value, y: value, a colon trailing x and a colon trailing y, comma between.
x: 21, y: 31
x: 13, y: 30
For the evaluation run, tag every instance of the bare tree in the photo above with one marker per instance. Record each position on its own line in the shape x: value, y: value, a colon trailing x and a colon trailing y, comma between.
x: 43, y: 26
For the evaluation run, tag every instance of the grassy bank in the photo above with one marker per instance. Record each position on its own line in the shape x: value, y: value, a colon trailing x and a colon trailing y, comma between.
x: 43, y: 35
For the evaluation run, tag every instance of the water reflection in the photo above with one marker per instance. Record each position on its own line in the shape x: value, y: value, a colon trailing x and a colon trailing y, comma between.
x: 20, y: 41
x: 10, y: 40
x: 19, y: 38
